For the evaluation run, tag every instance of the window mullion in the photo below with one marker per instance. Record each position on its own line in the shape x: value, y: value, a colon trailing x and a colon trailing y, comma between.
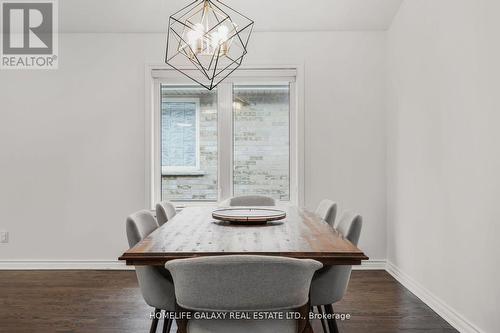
x: 156, y: 139
x: 225, y: 140
x: 295, y: 196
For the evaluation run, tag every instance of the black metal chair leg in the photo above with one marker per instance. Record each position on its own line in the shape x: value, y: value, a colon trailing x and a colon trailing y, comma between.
x: 167, y: 324
x: 321, y: 312
x: 332, y: 323
x: 154, y: 323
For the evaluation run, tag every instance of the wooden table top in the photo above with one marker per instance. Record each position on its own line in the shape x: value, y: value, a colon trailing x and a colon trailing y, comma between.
x: 193, y: 233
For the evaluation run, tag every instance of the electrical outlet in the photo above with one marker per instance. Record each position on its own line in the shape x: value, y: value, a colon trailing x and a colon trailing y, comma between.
x: 4, y: 237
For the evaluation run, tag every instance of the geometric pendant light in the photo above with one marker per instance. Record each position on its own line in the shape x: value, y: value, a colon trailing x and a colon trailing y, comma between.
x: 207, y: 41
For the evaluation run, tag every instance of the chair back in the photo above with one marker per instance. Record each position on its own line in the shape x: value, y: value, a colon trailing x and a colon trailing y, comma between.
x: 165, y: 211
x: 350, y: 226
x: 139, y: 226
x: 242, y: 282
x: 251, y: 200
x: 327, y: 210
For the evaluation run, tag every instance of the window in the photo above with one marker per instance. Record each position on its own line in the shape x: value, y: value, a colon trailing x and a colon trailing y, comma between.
x: 236, y: 140
x: 188, y: 133
x: 261, y: 158
x: 180, y: 151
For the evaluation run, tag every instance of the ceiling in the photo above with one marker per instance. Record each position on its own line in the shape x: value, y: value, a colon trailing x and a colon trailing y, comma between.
x: 269, y: 15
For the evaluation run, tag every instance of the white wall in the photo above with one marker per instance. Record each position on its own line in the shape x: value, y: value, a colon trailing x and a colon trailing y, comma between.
x: 444, y: 153
x: 72, y: 140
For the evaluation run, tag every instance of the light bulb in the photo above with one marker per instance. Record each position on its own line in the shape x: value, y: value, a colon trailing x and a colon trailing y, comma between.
x: 195, y: 37
x: 222, y: 33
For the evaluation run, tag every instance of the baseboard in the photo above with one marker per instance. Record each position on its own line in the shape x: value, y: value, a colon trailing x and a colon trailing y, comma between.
x: 446, y: 312
x: 371, y: 265
x: 63, y: 265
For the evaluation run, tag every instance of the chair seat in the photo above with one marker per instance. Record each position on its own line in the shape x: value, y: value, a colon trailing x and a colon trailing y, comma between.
x: 242, y: 326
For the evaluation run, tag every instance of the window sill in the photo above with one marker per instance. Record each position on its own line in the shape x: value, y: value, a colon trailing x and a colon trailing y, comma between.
x: 184, y: 173
x: 179, y: 205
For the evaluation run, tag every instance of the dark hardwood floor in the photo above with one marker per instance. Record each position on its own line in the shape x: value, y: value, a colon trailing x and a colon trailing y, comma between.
x: 110, y: 301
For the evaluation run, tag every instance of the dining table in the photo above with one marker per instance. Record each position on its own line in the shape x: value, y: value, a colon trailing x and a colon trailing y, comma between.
x: 193, y: 232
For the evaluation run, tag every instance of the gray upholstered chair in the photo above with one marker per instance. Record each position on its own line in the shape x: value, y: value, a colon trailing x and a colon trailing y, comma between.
x: 327, y: 210
x: 330, y: 284
x: 155, y: 282
x: 165, y: 211
x: 242, y: 283
x: 251, y: 200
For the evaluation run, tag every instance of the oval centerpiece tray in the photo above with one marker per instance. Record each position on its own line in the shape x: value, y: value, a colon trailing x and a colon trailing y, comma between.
x: 248, y: 215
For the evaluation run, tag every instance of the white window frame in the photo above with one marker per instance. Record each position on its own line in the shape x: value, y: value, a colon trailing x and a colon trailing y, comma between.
x: 184, y: 170
x: 155, y: 75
